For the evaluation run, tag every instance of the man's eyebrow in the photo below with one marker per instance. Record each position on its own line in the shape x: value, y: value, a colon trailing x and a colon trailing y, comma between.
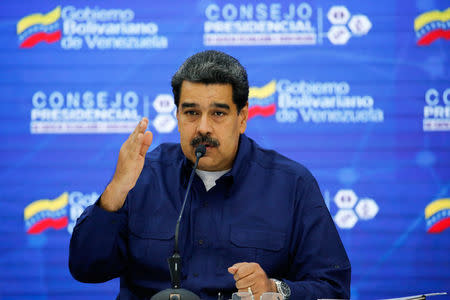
x: 189, y: 105
x: 221, y: 105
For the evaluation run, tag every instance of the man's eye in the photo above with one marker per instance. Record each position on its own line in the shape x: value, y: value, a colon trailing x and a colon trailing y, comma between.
x: 219, y: 113
x: 190, y: 113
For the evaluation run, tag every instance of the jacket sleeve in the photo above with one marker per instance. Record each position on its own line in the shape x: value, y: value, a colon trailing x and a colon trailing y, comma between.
x: 319, y: 264
x: 98, y: 246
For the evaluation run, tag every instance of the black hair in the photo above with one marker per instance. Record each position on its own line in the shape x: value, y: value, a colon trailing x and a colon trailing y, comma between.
x: 213, y: 67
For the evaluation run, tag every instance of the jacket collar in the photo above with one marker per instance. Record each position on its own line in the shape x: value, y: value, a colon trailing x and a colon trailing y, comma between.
x: 238, y: 170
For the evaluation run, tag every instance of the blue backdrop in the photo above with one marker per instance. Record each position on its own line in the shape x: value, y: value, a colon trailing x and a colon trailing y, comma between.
x: 357, y: 92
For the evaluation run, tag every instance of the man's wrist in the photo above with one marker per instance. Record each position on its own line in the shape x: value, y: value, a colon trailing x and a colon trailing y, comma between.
x: 113, y: 197
x: 274, y: 286
x: 282, y: 288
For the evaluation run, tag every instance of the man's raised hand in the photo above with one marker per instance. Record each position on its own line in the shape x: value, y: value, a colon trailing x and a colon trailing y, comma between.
x: 129, y: 167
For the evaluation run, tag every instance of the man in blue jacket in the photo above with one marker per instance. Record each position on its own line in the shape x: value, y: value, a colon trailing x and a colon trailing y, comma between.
x: 255, y: 220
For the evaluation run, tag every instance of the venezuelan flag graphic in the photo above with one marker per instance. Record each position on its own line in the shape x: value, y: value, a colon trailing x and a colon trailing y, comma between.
x: 38, y: 28
x: 431, y: 26
x: 437, y: 215
x: 43, y: 214
x: 262, y: 100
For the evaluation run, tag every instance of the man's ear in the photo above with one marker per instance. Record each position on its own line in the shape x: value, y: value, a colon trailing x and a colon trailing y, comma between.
x: 243, y: 117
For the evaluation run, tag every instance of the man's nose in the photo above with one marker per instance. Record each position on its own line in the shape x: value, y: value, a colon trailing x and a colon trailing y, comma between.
x: 204, y: 125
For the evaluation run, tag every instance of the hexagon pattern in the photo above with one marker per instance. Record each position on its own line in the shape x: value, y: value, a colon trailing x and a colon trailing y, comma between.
x: 164, y: 123
x: 339, y: 34
x: 345, y: 218
x: 163, y: 103
x: 366, y: 209
x: 345, y: 199
x: 359, y: 25
x: 338, y: 15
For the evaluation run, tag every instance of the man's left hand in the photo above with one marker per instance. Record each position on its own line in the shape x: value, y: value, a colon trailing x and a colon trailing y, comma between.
x: 251, y: 275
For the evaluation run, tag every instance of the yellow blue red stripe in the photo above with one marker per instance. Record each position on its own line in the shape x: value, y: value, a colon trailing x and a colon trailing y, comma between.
x: 437, y: 215
x: 43, y: 214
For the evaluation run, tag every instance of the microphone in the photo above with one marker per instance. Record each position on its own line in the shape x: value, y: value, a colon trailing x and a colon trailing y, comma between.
x: 176, y: 292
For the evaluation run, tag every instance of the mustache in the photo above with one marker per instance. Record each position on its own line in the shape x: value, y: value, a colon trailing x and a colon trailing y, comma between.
x: 204, y: 139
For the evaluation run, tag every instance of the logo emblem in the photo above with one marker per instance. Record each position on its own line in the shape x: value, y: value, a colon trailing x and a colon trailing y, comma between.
x: 37, y: 28
x: 43, y: 214
x: 437, y: 215
x: 340, y: 18
x: 348, y: 203
x: 164, y: 105
x: 262, y: 100
x: 58, y: 213
x: 431, y: 26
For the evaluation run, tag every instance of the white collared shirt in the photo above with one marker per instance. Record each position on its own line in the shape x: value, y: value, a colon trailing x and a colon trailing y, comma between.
x: 209, y: 177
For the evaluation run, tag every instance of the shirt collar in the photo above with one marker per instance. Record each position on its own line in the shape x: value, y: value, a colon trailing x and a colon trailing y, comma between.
x: 239, y: 166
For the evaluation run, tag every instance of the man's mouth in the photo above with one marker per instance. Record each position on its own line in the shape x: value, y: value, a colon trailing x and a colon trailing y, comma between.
x: 207, y: 145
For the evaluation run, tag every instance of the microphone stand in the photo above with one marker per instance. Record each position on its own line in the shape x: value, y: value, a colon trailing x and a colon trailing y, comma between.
x: 176, y: 292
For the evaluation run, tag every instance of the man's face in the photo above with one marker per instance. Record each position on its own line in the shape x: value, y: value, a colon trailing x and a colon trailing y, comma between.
x: 207, y: 115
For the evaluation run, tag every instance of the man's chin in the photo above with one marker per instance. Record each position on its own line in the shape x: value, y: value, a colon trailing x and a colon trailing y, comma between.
x: 206, y: 164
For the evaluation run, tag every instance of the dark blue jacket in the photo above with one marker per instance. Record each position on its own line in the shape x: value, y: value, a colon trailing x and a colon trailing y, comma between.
x: 267, y: 209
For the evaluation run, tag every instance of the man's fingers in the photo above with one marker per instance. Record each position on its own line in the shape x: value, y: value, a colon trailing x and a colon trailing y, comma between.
x: 140, y: 128
x: 136, y: 128
x: 234, y: 268
x: 244, y: 269
x: 250, y: 275
x: 148, y: 138
x: 137, y: 143
x: 246, y: 290
x: 143, y: 125
x: 245, y: 282
x: 134, y: 142
x: 146, y: 142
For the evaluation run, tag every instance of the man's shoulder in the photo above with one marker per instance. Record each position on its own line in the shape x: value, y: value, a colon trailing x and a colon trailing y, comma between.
x: 272, y: 160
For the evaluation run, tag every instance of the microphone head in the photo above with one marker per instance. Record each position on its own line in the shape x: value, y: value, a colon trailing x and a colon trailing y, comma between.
x: 200, y: 150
